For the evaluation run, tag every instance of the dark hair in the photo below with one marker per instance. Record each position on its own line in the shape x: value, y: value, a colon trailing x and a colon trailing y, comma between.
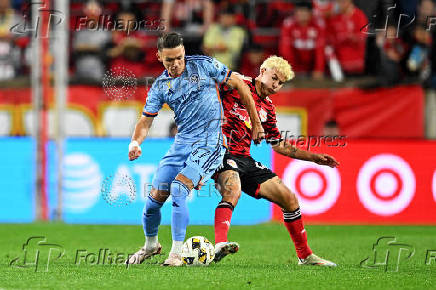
x: 255, y: 47
x: 331, y: 124
x: 304, y: 4
x: 169, y: 40
x: 230, y: 9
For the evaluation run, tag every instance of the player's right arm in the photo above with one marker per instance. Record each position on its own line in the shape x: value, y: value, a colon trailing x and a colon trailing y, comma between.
x: 152, y: 106
x: 142, y: 128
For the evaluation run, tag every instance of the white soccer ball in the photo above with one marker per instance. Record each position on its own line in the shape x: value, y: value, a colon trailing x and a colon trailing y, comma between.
x: 198, y: 251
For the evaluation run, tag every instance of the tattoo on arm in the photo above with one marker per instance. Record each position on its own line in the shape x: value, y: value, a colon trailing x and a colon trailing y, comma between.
x: 292, y: 151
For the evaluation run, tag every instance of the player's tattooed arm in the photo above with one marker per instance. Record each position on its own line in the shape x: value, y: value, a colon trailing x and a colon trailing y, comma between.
x: 288, y: 150
x: 292, y: 151
x: 248, y: 102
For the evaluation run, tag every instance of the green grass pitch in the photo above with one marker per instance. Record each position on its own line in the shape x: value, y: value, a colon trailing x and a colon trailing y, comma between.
x: 266, y: 259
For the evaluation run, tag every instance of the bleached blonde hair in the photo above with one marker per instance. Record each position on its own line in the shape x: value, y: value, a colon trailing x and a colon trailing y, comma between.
x: 280, y: 64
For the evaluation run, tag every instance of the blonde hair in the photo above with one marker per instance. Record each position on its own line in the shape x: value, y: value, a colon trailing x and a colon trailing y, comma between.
x: 280, y: 64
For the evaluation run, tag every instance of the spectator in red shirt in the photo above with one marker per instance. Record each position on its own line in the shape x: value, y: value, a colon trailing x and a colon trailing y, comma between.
x: 345, y: 36
x: 132, y: 49
x: 252, y: 60
x: 302, y: 42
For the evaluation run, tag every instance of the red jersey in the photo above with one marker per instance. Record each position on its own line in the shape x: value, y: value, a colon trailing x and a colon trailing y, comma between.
x: 303, y: 46
x: 237, y: 126
x: 347, y: 39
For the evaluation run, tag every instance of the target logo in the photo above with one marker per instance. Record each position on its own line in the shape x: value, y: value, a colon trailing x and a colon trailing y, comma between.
x: 386, y: 184
x: 317, y: 187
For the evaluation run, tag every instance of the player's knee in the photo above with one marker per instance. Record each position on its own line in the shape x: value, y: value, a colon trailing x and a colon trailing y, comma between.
x: 232, y: 195
x: 230, y: 187
x: 152, y: 206
x: 159, y: 195
x: 179, y: 193
x: 185, y: 181
x: 291, y: 201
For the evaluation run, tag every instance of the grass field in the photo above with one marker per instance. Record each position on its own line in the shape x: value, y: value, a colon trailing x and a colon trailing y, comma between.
x: 265, y: 260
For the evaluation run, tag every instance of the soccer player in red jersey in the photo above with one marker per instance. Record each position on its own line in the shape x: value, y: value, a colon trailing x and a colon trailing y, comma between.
x: 240, y: 171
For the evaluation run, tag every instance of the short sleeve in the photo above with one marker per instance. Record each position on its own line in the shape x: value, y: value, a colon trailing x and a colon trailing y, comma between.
x: 153, y: 103
x: 217, y: 70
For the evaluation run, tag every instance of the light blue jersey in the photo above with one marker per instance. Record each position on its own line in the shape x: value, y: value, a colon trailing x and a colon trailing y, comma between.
x: 199, y: 146
x: 194, y: 98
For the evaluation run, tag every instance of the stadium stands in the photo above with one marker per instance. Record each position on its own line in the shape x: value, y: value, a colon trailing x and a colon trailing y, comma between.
x: 371, y: 56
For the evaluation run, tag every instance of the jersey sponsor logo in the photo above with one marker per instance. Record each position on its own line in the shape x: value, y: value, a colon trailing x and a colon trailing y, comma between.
x: 242, y: 114
x: 262, y: 115
x: 232, y: 163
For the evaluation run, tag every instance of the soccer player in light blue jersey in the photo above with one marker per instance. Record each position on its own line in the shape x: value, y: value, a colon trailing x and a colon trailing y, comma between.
x: 189, y: 86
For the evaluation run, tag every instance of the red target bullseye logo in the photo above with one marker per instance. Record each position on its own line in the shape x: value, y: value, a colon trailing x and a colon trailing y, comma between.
x: 386, y: 184
x: 317, y: 187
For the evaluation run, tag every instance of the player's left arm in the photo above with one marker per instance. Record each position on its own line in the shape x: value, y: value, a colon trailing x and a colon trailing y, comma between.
x: 289, y: 150
x: 282, y: 147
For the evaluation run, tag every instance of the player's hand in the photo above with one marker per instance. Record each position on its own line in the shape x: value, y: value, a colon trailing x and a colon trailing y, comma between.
x: 258, y: 133
x: 134, y: 150
x: 324, y: 159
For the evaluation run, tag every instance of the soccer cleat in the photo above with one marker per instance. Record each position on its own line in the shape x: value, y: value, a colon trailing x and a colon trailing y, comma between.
x: 314, y: 260
x: 142, y: 254
x: 174, y: 260
x: 225, y: 248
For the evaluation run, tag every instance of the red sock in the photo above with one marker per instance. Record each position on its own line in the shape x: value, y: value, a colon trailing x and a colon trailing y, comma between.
x: 294, y: 224
x: 223, y: 216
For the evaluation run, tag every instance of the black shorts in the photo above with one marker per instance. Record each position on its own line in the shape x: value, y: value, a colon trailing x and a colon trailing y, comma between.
x: 251, y: 172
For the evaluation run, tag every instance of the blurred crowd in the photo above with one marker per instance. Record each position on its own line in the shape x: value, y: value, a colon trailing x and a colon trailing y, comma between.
x: 391, y: 40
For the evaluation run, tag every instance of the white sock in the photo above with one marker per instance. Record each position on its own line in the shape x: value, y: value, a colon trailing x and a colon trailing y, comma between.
x: 177, y: 247
x: 150, y: 242
x: 219, y: 244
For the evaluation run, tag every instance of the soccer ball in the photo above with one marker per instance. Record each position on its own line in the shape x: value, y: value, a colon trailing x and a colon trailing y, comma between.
x: 198, y: 251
